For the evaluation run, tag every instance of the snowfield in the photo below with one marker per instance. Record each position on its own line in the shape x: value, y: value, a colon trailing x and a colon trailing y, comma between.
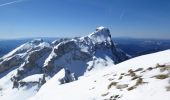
x: 97, y: 85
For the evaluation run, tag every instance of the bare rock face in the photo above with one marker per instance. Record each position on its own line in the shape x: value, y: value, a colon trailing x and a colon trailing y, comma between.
x: 27, y: 59
x: 70, y: 55
x: 32, y: 65
x: 10, y: 62
x: 65, y: 47
x: 77, y: 52
x: 67, y: 77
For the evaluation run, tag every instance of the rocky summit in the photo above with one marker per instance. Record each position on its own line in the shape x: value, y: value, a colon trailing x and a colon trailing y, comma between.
x: 34, y: 63
x: 75, y: 54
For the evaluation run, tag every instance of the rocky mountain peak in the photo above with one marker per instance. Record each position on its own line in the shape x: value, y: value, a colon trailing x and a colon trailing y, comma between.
x: 75, y: 53
x: 101, y: 34
x: 76, y: 56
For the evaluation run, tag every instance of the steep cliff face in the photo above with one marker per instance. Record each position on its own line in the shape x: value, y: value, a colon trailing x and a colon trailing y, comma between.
x: 26, y: 53
x: 26, y: 60
x: 75, y: 54
x: 40, y: 60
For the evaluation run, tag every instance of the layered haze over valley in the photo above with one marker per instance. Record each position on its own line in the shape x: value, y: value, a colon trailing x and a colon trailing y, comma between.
x: 84, y: 50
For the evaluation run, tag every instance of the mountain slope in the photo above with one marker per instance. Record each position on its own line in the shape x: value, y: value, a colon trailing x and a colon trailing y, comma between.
x: 140, y: 78
x: 25, y: 69
x: 75, y: 54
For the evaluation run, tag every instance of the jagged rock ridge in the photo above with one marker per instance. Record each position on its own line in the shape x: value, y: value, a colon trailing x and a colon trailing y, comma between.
x: 74, y: 56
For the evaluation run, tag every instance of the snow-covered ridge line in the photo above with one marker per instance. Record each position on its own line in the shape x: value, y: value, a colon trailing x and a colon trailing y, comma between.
x: 77, y: 52
x: 34, y: 63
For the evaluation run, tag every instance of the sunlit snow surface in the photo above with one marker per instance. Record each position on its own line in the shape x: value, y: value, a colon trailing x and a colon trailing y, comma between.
x: 91, y: 87
x: 94, y: 84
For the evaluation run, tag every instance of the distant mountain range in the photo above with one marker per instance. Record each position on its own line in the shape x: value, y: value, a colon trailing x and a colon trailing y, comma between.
x: 132, y: 46
x: 137, y: 47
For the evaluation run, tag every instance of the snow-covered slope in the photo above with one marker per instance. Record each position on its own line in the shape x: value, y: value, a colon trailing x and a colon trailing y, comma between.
x: 25, y: 69
x: 21, y: 70
x: 22, y: 54
x: 142, y: 78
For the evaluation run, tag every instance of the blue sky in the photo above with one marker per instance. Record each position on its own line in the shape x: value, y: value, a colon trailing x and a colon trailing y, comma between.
x: 70, y: 18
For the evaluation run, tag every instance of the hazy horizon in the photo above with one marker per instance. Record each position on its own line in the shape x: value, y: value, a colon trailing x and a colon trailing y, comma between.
x: 123, y: 37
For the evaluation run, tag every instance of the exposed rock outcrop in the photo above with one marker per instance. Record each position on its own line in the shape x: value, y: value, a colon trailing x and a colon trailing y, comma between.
x: 78, y: 51
x: 72, y: 56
